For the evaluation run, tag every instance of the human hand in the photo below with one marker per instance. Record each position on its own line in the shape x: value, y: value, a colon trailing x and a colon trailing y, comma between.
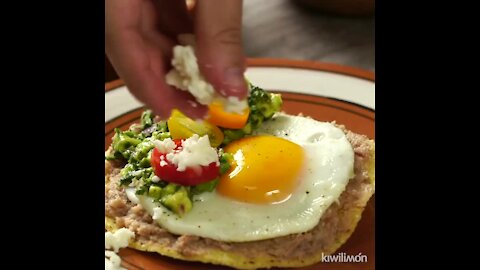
x: 140, y: 35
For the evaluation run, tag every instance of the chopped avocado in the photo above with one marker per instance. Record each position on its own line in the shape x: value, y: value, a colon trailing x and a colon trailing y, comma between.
x: 142, y: 190
x: 205, y: 187
x: 144, y: 163
x: 179, y: 202
x: 141, y: 152
x: 155, y: 192
x: 159, y: 135
x: 162, y: 126
x: 146, y: 119
x: 169, y: 189
x: 135, y: 146
x: 225, y: 162
x: 124, y: 143
x: 232, y: 135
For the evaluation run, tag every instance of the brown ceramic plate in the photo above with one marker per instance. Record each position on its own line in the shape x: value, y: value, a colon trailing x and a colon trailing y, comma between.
x: 325, y: 92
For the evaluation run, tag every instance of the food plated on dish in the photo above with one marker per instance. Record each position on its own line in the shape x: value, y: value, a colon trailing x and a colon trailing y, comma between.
x: 250, y: 187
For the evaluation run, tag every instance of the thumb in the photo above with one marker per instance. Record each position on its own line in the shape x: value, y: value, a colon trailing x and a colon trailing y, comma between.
x: 218, y: 31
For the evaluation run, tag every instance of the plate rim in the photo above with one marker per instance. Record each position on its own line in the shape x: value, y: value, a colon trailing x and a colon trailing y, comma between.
x: 295, y: 64
x: 288, y: 63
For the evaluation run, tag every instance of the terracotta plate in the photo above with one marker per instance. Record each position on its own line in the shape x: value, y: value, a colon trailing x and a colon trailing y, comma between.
x: 325, y: 92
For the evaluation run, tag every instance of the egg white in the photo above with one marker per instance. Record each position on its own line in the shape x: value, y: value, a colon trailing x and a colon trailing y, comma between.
x: 327, y: 169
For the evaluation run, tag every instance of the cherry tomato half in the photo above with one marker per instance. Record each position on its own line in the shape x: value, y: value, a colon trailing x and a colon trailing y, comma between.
x: 189, y: 177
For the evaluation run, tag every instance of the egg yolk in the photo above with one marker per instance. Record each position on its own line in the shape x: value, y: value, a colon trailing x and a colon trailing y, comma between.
x: 265, y: 170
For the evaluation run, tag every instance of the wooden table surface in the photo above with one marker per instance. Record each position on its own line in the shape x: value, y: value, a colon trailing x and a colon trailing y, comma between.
x: 282, y: 29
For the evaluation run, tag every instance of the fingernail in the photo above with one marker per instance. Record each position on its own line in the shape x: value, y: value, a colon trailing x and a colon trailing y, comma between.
x: 234, y: 77
x: 234, y: 82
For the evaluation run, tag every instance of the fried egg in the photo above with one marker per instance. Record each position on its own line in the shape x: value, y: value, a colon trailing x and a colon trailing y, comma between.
x: 283, y: 179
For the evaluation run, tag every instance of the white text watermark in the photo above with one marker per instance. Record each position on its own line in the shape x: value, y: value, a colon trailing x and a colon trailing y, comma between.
x: 342, y: 257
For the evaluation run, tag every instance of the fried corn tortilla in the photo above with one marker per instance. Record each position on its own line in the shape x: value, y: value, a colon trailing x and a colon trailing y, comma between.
x: 296, y: 250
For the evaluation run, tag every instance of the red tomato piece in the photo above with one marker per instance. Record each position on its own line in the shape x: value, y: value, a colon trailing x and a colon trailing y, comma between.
x: 189, y: 177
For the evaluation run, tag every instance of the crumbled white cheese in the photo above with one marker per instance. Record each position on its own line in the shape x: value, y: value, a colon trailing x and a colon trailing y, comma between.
x: 112, y: 261
x: 234, y: 105
x: 119, y: 239
x: 195, y: 151
x: 186, y: 76
x: 115, y: 241
x: 136, y: 173
x: 165, y: 146
x: 155, y: 178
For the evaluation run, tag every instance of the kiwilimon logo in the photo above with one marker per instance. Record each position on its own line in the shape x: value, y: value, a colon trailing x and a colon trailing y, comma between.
x: 342, y: 257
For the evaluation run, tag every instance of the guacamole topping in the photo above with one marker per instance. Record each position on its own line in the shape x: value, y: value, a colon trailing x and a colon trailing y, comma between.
x: 134, y: 147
